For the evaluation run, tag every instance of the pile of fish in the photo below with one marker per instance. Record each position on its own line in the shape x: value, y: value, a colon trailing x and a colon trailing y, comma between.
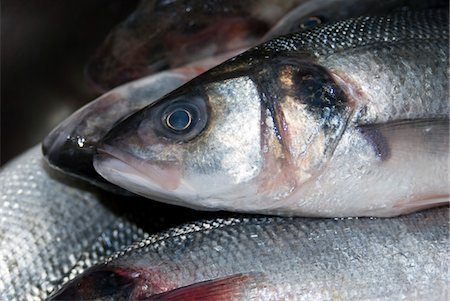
x: 334, y: 109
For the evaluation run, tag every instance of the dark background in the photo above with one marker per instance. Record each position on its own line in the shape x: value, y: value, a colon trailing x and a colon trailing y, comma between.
x: 45, y: 46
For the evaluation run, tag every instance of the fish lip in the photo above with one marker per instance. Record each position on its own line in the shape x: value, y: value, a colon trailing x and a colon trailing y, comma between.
x: 158, y: 193
x: 147, y: 173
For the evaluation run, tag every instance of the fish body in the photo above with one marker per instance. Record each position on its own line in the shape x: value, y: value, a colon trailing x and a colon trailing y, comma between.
x: 269, y: 258
x: 347, y: 119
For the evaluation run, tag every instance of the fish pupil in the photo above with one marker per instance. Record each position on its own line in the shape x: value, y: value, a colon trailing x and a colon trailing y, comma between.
x: 179, y: 119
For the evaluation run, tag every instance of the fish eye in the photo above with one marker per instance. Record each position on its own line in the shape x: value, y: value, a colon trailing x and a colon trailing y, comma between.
x: 179, y: 119
x: 182, y: 119
x: 311, y: 22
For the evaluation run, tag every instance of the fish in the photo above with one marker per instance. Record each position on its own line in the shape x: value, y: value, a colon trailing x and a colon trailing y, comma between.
x: 53, y: 226
x: 70, y: 146
x: 346, y: 119
x: 274, y: 258
x: 162, y: 35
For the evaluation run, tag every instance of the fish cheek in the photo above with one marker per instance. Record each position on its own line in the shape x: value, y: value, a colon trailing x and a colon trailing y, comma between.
x: 228, y: 153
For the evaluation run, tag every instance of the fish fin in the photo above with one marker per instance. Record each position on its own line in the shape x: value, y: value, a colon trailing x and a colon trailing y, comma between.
x: 227, y: 288
x: 424, y: 202
x: 397, y: 138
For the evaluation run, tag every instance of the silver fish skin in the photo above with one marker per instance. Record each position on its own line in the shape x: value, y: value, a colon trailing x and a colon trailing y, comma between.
x: 313, y: 13
x: 50, y: 229
x: 267, y: 258
x: 348, y: 119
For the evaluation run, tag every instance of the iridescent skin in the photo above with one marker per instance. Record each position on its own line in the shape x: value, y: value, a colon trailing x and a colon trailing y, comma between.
x: 319, y: 123
x: 313, y: 13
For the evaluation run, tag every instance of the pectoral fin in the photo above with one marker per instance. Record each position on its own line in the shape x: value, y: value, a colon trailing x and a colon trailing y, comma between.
x: 406, y: 137
x: 232, y: 287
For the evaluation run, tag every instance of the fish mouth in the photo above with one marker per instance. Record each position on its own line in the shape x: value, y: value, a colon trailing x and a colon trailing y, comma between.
x: 147, y: 179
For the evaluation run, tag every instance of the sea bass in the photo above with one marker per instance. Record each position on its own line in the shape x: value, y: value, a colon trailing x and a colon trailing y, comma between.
x: 70, y: 146
x: 162, y: 35
x: 348, y: 119
x: 267, y: 258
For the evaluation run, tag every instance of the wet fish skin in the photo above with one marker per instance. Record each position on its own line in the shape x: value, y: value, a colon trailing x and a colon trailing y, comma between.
x: 51, y: 229
x: 269, y: 258
x: 313, y: 13
x: 302, y: 100
x: 161, y: 35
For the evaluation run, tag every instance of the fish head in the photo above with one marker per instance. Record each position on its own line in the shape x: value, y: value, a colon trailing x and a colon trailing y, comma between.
x: 161, y: 35
x: 71, y: 145
x: 192, y: 145
x: 234, y: 138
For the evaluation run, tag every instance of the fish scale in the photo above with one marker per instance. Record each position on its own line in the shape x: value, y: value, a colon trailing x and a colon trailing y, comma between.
x: 402, y: 258
x: 363, y: 31
x: 392, y: 102
x: 49, y: 228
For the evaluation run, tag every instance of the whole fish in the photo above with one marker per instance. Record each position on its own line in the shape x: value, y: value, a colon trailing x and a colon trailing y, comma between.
x: 161, y: 35
x: 347, y: 119
x: 267, y: 258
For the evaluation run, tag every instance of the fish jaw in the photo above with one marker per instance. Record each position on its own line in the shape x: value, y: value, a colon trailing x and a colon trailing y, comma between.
x: 162, y: 184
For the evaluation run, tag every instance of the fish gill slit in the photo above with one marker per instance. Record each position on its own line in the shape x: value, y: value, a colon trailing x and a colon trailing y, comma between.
x: 280, y: 130
x: 269, y: 104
